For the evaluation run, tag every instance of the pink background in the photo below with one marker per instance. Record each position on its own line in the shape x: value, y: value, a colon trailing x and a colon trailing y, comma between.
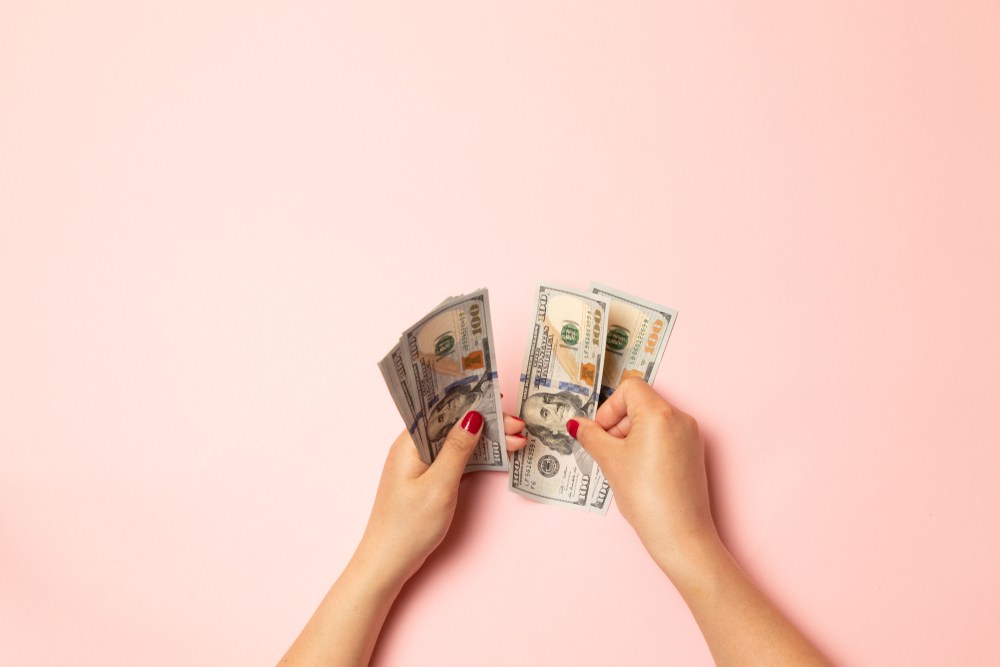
x: 216, y: 217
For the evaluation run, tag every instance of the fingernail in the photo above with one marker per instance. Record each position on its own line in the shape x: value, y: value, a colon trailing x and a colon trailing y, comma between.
x: 572, y: 426
x: 473, y: 422
x: 517, y: 418
x: 517, y: 435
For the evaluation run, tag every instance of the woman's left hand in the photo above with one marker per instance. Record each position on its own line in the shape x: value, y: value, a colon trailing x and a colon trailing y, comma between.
x: 415, y: 502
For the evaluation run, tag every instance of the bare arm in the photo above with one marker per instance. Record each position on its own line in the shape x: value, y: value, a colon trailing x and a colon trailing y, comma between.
x: 413, y: 510
x: 653, y: 457
x: 343, y: 630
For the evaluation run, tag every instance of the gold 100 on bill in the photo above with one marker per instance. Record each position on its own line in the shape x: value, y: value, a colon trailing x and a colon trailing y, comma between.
x: 582, y: 346
x: 637, y: 335
x: 560, y: 379
x: 442, y: 367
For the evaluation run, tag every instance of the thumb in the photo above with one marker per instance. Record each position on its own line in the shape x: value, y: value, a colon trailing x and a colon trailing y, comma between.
x: 597, y: 442
x: 457, y: 447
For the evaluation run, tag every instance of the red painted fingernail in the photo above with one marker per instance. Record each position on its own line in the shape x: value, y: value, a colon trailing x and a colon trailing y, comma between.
x: 473, y: 422
x: 517, y: 435
x: 572, y: 426
x: 517, y: 418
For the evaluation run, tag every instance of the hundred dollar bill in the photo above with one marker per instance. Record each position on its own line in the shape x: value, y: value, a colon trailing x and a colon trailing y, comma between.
x: 451, y: 366
x: 393, y: 368
x: 559, y: 380
x: 637, y: 335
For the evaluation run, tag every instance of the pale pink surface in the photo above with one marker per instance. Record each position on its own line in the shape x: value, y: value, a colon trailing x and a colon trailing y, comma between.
x: 216, y: 217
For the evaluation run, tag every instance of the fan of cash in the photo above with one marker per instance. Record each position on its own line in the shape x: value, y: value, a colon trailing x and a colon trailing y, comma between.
x: 582, y: 346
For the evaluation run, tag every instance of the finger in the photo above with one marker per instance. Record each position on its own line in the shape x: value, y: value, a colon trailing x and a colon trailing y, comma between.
x: 621, y: 429
x: 595, y: 440
x: 512, y: 425
x: 631, y: 395
x: 516, y: 441
x: 458, y: 445
x: 403, y: 457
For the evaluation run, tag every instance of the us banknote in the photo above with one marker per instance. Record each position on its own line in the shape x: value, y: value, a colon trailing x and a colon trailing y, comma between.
x: 444, y: 366
x: 637, y: 335
x: 393, y: 368
x: 562, y: 366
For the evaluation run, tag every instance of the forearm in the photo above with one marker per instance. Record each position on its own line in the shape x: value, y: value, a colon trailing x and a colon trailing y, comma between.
x: 343, y: 630
x: 741, y: 626
x: 413, y: 509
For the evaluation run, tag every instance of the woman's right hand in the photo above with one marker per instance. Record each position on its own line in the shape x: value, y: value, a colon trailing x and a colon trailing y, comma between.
x: 653, y: 457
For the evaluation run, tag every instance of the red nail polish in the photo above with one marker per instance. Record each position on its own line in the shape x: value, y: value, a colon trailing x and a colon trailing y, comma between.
x: 517, y: 435
x: 572, y: 426
x: 517, y: 418
x: 473, y: 422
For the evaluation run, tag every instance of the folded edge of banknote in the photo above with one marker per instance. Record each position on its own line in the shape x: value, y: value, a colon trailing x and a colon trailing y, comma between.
x: 444, y: 366
x: 560, y: 379
x: 637, y: 336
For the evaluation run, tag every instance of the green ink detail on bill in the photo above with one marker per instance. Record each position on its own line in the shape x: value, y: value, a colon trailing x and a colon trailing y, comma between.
x: 618, y: 338
x: 444, y: 344
x: 570, y: 334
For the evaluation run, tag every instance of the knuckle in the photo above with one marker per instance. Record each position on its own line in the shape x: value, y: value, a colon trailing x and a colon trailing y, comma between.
x: 691, y: 423
x: 629, y: 381
x: 663, y: 410
x: 633, y: 386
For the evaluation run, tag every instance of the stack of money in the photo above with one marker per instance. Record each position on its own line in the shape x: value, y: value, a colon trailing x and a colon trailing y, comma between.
x: 444, y: 366
x: 582, y: 346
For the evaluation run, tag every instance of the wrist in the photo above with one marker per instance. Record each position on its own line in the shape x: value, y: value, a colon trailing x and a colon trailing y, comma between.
x: 377, y: 571
x: 688, y: 560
